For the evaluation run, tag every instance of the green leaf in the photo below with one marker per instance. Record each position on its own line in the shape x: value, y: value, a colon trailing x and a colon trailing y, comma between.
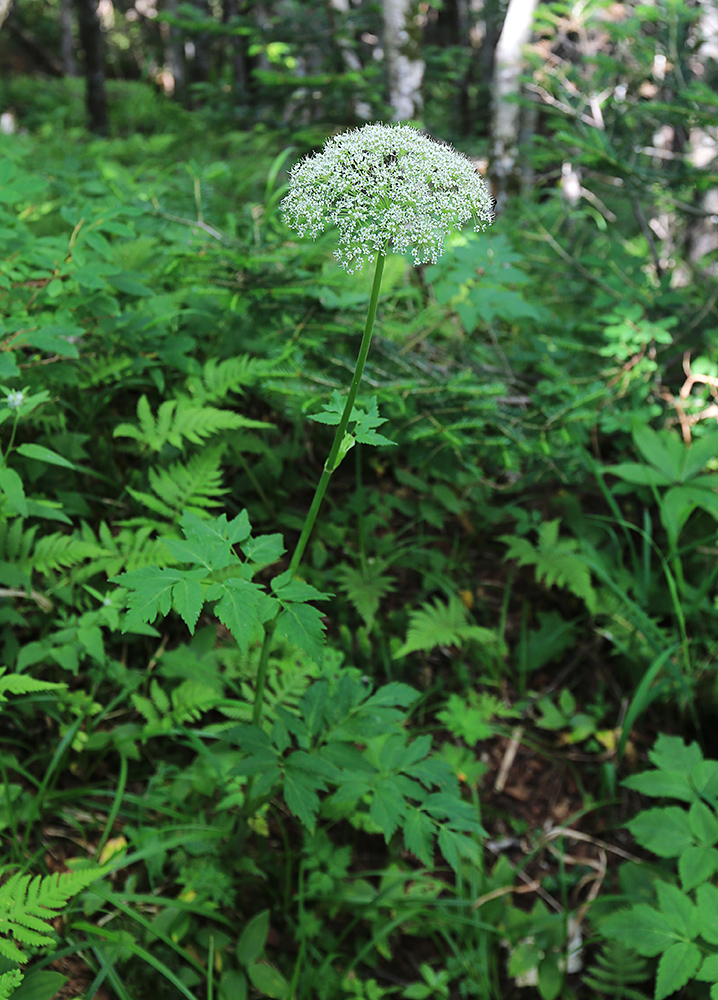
x: 264, y: 550
x: 664, y: 832
x: 11, y: 486
x: 242, y: 608
x: 670, y: 753
x: 550, y: 978
x: 678, y: 909
x: 40, y: 984
x: 300, y: 791
x: 269, y: 981
x: 676, y: 966
x: 42, y: 454
x: 703, y: 823
x: 388, y: 807
x: 696, y: 865
x: 419, y: 835
x: 301, y: 625
x: 707, y: 902
x: 290, y: 589
x: 253, y: 939
x: 648, y: 930
x: 708, y: 972
x: 640, y: 475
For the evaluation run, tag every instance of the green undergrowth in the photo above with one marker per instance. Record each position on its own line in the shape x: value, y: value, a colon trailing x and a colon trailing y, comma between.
x: 534, y: 558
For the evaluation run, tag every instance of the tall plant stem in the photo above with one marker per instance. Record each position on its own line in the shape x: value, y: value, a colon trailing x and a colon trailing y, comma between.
x: 329, y: 467
x: 331, y: 462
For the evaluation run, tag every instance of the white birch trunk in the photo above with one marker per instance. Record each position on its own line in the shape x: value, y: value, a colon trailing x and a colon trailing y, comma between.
x: 4, y: 10
x: 362, y: 110
x: 506, y: 113
x: 402, y: 59
x: 703, y: 142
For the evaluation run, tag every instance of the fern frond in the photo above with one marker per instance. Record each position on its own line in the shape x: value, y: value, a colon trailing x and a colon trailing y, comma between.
x: 220, y: 378
x: 27, y: 902
x: 21, y: 684
x: 557, y: 561
x: 133, y: 548
x: 56, y: 551
x: 441, y: 624
x: 615, y: 970
x: 196, y: 483
x: 180, y: 420
x: 9, y: 982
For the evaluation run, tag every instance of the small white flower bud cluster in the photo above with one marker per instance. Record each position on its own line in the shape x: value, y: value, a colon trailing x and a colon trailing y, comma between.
x: 386, y: 187
x: 15, y: 399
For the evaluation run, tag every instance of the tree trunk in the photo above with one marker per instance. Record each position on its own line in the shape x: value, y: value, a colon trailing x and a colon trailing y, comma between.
x: 506, y: 112
x: 349, y: 58
x: 703, y: 142
x: 67, y: 44
x: 174, y: 51
x: 4, y: 10
x: 93, y: 49
x: 402, y: 58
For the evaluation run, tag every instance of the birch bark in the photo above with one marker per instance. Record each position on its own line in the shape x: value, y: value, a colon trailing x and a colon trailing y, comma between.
x: 506, y: 112
x: 402, y: 58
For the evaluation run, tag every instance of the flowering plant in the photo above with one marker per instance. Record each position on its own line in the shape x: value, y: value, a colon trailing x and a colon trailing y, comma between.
x: 386, y: 186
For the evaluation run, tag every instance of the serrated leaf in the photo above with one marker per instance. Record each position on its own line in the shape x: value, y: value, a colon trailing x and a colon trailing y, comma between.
x: 388, y: 807
x: 696, y: 865
x: 240, y: 608
x: 664, y: 832
x: 288, y: 588
x: 11, y: 486
x: 703, y: 823
x: 675, y: 967
x: 300, y: 793
x: 707, y: 902
x: 264, y: 550
x: 418, y: 836
x: 301, y: 625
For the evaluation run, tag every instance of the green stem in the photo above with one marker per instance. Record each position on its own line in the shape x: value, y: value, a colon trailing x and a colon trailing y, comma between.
x: 331, y: 462
x: 329, y: 468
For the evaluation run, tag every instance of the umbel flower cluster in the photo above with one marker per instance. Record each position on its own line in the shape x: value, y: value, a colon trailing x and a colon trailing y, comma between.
x: 386, y: 187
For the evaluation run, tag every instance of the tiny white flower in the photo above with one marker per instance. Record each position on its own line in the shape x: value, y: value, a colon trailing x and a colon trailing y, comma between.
x: 15, y: 399
x: 386, y: 187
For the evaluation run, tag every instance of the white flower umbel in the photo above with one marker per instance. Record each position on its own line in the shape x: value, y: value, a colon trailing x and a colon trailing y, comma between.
x: 386, y: 187
x: 15, y: 399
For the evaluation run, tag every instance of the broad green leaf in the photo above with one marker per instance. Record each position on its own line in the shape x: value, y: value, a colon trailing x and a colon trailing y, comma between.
x: 708, y: 972
x: 696, y: 865
x: 700, y: 453
x: 665, y: 451
x: 388, y: 807
x: 639, y: 475
x: 550, y: 978
x: 233, y: 985
x: 525, y: 958
x: 301, y: 625
x: 42, y: 454
x: 675, y: 967
x: 253, y: 939
x: 679, y: 503
x: 662, y: 785
x: 240, y: 608
x: 703, y: 823
x: 707, y: 902
x: 188, y: 599
x: 393, y: 695
x: 268, y: 981
x: 39, y: 984
x: 11, y: 486
x: 300, y: 793
x: 291, y: 589
x: 419, y: 835
x: 664, y: 832
x: 678, y: 909
x: 648, y: 930
x: 670, y: 753
x: 264, y: 550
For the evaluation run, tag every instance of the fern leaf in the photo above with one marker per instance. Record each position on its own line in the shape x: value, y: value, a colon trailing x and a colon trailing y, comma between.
x: 615, y: 970
x: 57, y: 551
x: 557, y: 561
x: 27, y: 902
x: 366, y: 586
x: 197, y: 483
x: 9, y: 982
x: 180, y: 420
x: 441, y: 624
x: 20, y: 684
